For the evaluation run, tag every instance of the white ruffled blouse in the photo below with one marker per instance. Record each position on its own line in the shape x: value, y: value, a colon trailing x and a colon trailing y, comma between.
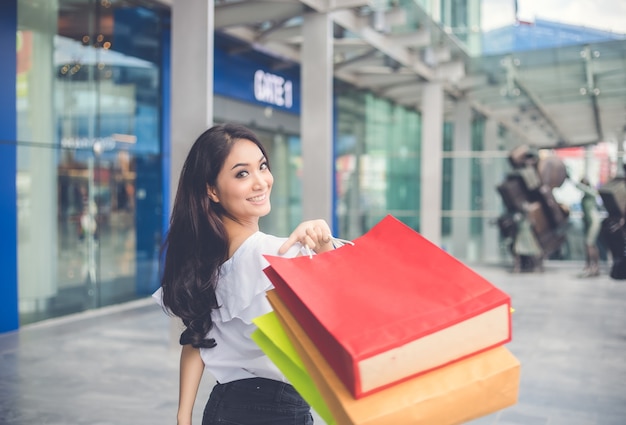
x: 241, y: 297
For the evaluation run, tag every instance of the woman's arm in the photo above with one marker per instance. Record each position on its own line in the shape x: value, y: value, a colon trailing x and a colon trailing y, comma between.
x: 191, y: 368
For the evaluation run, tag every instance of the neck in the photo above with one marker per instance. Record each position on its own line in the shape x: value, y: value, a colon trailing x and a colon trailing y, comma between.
x: 238, y: 232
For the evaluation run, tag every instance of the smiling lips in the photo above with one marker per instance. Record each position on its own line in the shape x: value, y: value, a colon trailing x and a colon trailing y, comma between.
x: 259, y: 198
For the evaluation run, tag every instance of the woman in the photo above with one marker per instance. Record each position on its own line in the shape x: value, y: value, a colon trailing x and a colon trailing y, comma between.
x: 213, y: 279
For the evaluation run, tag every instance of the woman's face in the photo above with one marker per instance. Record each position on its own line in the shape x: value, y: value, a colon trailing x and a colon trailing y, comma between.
x: 244, y: 183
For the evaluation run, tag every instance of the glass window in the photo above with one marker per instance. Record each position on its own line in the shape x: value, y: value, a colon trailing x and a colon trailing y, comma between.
x: 377, y: 162
x: 89, y: 154
x: 468, y: 222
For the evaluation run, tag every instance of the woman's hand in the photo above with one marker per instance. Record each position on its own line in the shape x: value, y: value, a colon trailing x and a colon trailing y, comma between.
x: 314, y: 234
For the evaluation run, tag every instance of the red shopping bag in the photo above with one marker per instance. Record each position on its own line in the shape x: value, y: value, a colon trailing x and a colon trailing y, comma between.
x: 390, y: 307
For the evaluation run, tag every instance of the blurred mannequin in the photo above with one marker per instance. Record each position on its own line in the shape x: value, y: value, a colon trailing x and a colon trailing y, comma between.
x: 592, y: 222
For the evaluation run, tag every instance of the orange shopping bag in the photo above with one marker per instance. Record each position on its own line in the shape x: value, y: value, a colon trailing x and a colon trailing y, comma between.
x: 453, y: 394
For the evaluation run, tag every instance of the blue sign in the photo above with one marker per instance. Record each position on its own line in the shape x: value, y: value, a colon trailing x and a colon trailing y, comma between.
x: 238, y: 77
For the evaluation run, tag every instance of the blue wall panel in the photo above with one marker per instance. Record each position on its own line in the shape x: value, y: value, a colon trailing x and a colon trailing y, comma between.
x: 8, y: 194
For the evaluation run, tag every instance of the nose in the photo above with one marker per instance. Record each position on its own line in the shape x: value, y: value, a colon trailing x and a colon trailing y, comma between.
x: 260, y: 181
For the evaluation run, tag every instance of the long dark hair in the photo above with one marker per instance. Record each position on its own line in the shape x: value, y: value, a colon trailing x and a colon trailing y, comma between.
x: 196, y: 244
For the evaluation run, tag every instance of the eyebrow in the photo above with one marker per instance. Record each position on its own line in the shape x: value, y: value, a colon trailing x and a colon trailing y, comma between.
x: 244, y: 164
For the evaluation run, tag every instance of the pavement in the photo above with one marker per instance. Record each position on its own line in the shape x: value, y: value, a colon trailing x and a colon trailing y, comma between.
x: 118, y: 365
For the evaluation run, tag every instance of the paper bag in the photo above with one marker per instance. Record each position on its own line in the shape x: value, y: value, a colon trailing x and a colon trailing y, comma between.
x: 272, y: 339
x: 454, y: 394
x: 392, y: 302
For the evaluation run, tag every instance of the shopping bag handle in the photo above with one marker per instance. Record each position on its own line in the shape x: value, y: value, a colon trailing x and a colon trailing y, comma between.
x: 337, y: 242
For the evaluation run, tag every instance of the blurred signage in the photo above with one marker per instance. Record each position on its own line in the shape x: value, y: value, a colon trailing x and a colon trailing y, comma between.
x: 273, y: 89
x: 248, y: 79
x: 97, y: 143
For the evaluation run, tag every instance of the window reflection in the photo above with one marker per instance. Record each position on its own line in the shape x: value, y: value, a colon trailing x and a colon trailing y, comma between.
x: 89, y: 154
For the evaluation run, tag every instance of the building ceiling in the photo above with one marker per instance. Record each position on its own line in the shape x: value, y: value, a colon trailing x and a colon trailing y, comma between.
x: 566, y: 96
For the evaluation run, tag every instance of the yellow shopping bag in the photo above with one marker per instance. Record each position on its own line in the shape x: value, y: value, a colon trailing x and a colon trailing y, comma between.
x: 272, y: 339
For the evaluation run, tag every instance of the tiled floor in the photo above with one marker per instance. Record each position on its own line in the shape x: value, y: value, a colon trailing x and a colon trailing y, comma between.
x: 116, y: 365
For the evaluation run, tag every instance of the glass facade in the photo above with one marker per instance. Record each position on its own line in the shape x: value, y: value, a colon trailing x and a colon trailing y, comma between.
x: 470, y: 204
x: 93, y: 153
x: 377, y: 161
x: 92, y: 138
x: 471, y: 161
x: 89, y: 165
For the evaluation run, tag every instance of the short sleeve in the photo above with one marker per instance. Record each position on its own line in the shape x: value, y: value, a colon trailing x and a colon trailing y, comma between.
x: 243, y: 284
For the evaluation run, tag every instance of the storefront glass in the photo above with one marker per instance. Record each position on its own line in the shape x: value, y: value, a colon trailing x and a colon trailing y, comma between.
x: 89, y: 176
x: 470, y: 202
x: 377, y: 162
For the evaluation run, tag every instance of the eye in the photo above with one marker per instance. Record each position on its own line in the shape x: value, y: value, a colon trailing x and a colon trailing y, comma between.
x: 264, y: 166
x: 242, y: 174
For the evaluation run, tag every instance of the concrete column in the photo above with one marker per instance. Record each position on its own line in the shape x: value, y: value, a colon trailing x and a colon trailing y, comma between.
x: 317, y: 117
x: 191, y: 90
x: 493, y: 171
x: 192, y: 79
x: 461, y: 180
x: 431, y: 162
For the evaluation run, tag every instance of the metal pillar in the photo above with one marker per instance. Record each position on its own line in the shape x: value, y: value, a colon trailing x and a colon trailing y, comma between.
x: 462, y: 179
x: 317, y: 117
x: 192, y: 79
x: 431, y: 161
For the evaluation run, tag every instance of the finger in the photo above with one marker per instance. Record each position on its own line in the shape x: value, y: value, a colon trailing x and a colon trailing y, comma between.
x: 312, y: 233
x: 325, y: 237
x: 315, y: 235
x: 291, y: 240
x: 323, y: 234
x: 327, y: 233
x: 310, y: 242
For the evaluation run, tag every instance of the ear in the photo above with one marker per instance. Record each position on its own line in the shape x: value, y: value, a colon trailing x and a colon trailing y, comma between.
x: 212, y: 193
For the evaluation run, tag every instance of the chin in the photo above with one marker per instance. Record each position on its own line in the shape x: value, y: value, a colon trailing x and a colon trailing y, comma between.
x: 266, y: 211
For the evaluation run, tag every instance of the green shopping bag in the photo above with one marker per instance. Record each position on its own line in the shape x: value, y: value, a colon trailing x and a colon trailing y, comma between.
x: 272, y: 339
